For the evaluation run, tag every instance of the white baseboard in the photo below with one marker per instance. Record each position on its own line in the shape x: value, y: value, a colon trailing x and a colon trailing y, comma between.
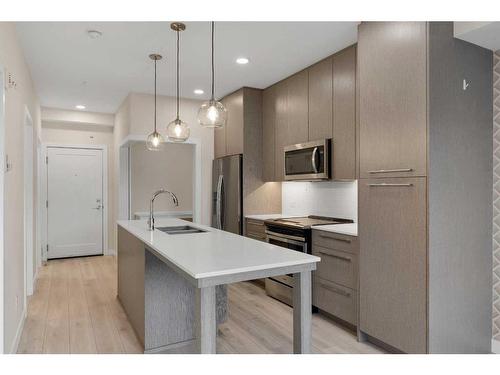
x: 19, y: 332
x: 495, y: 346
x: 110, y: 252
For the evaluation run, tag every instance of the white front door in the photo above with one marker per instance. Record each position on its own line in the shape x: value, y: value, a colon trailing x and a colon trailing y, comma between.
x: 75, y: 202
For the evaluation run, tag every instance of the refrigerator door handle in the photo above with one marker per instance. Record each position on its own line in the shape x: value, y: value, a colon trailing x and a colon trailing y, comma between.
x: 222, y: 204
x: 218, y: 203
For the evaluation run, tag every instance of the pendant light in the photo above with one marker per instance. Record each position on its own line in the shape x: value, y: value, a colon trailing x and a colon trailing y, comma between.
x: 155, y: 141
x: 178, y: 130
x: 212, y: 114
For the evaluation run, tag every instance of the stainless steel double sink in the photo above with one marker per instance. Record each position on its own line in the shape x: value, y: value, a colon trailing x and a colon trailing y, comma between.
x: 181, y: 229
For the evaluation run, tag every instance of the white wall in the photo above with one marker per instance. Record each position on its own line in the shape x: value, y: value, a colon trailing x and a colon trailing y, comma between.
x: 171, y: 168
x: 12, y: 60
x: 74, y: 133
x: 326, y: 198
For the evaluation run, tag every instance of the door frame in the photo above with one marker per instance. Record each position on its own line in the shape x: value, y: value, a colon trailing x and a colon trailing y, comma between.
x: 2, y: 172
x: 28, y: 206
x: 123, y: 183
x: 105, y: 203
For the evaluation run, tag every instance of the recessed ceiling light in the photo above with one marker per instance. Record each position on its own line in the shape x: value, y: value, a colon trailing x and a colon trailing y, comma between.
x: 94, y: 34
x: 242, y: 60
x: 80, y: 106
x: 199, y: 91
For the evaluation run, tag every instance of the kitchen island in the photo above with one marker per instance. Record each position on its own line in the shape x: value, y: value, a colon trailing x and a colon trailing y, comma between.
x: 173, y: 277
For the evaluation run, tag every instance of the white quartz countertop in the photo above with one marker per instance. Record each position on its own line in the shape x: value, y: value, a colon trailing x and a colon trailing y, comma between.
x: 216, y: 253
x: 348, y: 229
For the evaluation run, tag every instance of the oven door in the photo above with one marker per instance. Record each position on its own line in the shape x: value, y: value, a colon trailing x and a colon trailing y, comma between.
x: 308, y: 161
x: 289, y: 242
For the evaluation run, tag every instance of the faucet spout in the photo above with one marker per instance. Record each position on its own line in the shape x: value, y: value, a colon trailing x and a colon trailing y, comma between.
x: 151, y: 221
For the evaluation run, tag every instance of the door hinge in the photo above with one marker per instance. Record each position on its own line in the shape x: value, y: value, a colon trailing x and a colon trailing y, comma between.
x: 47, y: 204
x: 46, y: 160
x: 47, y: 247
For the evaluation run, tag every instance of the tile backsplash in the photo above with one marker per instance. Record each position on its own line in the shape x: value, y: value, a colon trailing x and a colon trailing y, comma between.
x: 325, y: 198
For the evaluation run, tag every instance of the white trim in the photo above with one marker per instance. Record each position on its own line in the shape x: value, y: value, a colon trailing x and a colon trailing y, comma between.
x: 19, y: 331
x: 28, y: 129
x: 197, y: 191
x: 105, y: 203
x: 495, y: 346
x: 2, y: 168
x: 39, y: 206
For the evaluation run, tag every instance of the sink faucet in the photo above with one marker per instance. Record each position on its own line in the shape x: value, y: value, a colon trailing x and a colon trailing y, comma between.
x: 151, y: 221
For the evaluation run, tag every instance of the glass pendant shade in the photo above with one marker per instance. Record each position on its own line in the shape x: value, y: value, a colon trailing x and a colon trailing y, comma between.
x: 178, y: 131
x: 212, y: 114
x: 155, y: 141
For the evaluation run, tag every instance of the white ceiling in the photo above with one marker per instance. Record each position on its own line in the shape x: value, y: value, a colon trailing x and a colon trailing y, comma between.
x: 484, y: 34
x: 62, y: 57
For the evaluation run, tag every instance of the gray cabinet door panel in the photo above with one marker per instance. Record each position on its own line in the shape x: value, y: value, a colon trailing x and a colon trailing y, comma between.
x: 344, y: 115
x: 393, y: 261
x: 392, y: 58
x: 320, y: 100
x: 268, y: 136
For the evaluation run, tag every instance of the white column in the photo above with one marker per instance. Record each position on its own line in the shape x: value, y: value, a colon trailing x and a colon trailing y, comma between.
x: 302, y: 306
x: 206, y: 325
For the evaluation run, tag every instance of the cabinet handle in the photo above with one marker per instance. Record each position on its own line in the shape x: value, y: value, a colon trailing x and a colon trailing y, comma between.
x: 389, y: 185
x: 347, y: 259
x: 335, y: 238
x: 335, y: 290
x: 391, y: 170
x: 255, y: 223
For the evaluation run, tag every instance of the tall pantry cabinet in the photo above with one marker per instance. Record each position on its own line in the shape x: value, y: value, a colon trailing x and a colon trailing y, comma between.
x: 425, y: 188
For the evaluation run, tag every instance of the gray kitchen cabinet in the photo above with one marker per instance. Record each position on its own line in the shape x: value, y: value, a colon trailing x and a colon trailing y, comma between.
x: 281, y: 131
x: 335, y: 282
x: 219, y: 142
x: 393, y: 279
x: 393, y: 97
x: 297, y: 109
x: 320, y: 100
x: 344, y: 115
x: 268, y: 136
x: 243, y: 134
x: 255, y: 229
x: 425, y: 182
x: 235, y: 122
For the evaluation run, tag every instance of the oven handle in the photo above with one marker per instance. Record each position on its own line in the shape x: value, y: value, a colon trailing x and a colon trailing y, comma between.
x: 286, y: 240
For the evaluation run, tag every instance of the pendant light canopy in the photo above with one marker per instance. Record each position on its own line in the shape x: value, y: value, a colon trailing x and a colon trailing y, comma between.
x: 178, y: 130
x: 155, y: 141
x: 212, y: 114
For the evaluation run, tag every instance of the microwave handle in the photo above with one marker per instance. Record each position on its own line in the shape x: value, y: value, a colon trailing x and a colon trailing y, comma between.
x: 313, y: 159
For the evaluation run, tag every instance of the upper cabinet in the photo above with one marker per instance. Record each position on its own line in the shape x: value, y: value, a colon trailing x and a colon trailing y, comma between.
x: 313, y: 104
x: 268, y: 133
x: 344, y: 115
x: 393, y: 97
x: 229, y: 139
x: 320, y: 100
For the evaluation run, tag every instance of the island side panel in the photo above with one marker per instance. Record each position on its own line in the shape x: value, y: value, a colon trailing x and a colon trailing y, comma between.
x: 131, y: 264
x: 169, y: 306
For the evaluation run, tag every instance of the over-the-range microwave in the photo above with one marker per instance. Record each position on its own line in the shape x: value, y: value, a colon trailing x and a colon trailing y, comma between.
x: 308, y: 161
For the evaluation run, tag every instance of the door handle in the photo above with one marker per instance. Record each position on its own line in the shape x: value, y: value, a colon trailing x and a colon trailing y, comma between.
x: 313, y: 159
x: 335, y: 238
x: 98, y: 207
x: 384, y: 184
x: 391, y: 170
x: 347, y: 259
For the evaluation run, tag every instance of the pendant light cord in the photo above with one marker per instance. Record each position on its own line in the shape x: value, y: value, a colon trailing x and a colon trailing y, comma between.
x: 213, y: 68
x: 177, y: 74
x: 155, y: 95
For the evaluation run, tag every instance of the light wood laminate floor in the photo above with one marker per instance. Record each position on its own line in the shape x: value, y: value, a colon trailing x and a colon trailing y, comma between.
x: 75, y: 310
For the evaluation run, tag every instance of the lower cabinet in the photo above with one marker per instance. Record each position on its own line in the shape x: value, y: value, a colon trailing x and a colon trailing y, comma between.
x: 393, y: 261
x: 255, y: 229
x: 335, y: 281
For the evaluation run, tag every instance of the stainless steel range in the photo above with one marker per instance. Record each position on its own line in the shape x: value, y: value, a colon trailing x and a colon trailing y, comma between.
x: 295, y: 234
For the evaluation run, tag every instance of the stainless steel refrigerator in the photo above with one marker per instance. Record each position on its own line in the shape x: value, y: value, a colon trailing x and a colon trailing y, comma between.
x: 227, y: 197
